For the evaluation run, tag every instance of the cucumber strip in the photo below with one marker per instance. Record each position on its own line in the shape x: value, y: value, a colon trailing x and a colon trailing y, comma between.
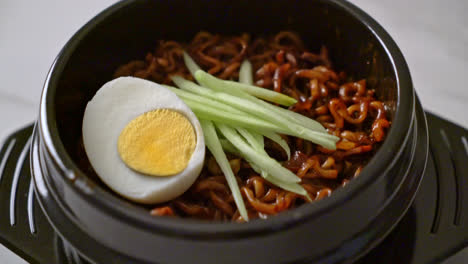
x: 279, y: 140
x: 257, y: 110
x: 292, y: 187
x: 299, y: 119
x: 213, y: 144
x: 210, y: 81
x: 265, y: 163
x: 256, y: 168
x: 228, y: 146
x: 290, y: 115
x: 204, y: 100
x: 252, y: 140
x: 194, y: 88
x: 291, y: 128
x: 259, y: 138
x: 190, y: 64
x: 222, y: 97
x: 245, y: 73
x: 214, y: 114
x: 322, y: 138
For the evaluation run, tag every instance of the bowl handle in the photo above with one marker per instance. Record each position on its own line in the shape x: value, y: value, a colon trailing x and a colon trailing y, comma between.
x: 23, y: 227
x: 442, y: 200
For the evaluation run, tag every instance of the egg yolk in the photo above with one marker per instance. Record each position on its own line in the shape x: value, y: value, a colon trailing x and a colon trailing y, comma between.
x: 157, y: 143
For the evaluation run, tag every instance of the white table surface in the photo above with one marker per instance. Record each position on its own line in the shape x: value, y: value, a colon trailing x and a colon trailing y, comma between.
x: 433, y: 35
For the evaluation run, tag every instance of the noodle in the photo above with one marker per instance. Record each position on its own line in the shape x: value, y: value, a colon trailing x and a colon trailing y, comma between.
x: 347, y: 109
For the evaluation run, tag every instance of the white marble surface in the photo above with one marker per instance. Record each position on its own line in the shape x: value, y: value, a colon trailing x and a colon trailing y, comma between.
x: 433, y: 35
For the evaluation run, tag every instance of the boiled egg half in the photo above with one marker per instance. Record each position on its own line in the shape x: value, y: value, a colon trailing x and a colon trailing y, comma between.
x: 142, y: 140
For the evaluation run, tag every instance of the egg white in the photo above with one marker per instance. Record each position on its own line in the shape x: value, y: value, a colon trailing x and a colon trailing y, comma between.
x: 115, y: 104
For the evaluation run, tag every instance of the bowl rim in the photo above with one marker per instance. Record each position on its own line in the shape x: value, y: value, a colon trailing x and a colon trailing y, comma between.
x: 109, y: 203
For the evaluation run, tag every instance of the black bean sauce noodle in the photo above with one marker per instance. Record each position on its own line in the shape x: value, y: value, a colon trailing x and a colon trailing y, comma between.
x: 347, y: 109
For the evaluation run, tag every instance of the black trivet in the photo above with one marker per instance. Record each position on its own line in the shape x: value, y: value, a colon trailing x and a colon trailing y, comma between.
x: 435, y: 226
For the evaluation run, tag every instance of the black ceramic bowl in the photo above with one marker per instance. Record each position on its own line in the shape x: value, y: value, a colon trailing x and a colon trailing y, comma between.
x: 107, y: 229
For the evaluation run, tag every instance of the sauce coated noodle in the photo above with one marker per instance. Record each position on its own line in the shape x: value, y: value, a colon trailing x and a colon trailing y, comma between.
x: 347, y: 109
